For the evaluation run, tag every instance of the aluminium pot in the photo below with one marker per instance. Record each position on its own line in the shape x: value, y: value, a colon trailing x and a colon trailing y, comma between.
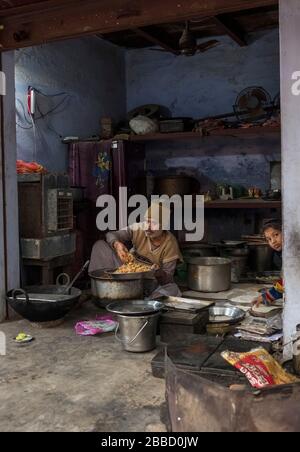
x: 261, y: 257
x: 209, y: 274
x: 239, y: 259
x: 106, y: 290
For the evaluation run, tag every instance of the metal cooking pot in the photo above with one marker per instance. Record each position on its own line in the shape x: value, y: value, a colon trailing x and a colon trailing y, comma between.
x: 106, y: 290
x: 42, y: 303
x: 239, y: 260
x: 260, y: 258
x: 209, y: 274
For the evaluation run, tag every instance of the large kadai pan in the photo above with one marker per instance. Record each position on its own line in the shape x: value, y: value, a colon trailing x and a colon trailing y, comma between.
x: 42, y: 303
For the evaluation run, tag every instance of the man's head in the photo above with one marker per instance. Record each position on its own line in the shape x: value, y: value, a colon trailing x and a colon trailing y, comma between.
x: 272, y: 230
x: 157, y: 220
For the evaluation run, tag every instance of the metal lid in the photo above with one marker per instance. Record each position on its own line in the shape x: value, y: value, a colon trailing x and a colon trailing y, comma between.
x: 135, y: 307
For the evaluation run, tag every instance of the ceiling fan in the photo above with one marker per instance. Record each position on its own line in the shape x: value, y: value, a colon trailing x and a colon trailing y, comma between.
x: 188, y: 43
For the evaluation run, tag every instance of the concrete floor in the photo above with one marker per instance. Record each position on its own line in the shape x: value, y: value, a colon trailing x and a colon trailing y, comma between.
x: 63, y: 382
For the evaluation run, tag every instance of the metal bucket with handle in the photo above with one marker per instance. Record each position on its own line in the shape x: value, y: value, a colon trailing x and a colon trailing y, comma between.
x: 137, y: 333
x: 137, y: 324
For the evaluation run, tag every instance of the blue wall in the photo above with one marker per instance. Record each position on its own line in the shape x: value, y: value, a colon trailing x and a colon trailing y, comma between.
x: 90, y: 72
x: 203, y: 85
x: 97, y: 76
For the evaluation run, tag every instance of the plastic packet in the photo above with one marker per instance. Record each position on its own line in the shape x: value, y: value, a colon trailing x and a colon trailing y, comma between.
x: 102, y: 324
x: 260, y: 368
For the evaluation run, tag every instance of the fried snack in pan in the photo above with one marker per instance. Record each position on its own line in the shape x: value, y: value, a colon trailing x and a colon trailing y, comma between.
x: 133, y: 267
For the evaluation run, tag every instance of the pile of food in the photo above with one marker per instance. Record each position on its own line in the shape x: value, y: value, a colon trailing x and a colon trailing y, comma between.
x: 133, y: 267
x: 29, y: 168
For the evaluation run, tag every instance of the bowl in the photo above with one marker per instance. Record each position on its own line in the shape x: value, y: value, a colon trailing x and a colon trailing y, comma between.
x: 227, y: 315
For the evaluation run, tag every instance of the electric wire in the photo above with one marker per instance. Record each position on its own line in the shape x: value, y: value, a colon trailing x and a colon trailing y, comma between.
x: 32, y: 120
x: 42, y: 115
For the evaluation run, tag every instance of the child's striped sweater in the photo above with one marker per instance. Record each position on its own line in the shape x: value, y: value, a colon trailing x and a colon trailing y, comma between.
x: 273, y: 294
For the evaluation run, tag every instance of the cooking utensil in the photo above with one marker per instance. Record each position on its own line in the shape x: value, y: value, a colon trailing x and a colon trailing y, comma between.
x: 210, y: 274
x: 260, y: 257
x: 106, y: 290
x: 42, y: 303
x: 67, y: 289
x: 186, y: 304
x: 226, y: 315
x: 135, y: 307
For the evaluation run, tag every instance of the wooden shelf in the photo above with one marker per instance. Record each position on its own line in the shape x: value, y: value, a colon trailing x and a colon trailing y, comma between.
x: 237, y: 133
x: 243, y: 204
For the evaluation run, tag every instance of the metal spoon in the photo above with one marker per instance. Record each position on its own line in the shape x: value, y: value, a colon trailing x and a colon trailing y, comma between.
x: 67, y: 289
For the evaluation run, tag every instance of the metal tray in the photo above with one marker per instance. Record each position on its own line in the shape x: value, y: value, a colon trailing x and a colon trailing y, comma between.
x: 226, y: 315
x: 186, y: 304
x: 135, y: 307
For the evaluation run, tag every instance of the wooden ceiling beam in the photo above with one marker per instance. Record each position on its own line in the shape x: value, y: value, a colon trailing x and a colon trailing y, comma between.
x: 156, y: 40
x: 29, y: 7
x: 49, y: 20
x: 231, y: 28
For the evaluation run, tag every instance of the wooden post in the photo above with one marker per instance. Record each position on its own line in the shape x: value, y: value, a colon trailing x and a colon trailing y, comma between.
x: 289, y: 18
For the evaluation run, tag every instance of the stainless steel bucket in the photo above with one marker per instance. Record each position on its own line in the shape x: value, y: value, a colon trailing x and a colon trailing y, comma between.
x: 137, y: 333
x: 209, y: 274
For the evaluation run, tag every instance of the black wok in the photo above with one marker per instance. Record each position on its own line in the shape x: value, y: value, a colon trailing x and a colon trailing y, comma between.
x: 42, y: 303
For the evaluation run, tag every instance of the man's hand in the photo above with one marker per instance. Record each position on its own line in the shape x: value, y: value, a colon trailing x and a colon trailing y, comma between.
x: 258, y: 301
x: 121, y: 251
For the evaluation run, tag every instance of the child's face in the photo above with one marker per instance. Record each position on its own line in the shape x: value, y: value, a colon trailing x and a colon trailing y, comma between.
x: 274, y: 238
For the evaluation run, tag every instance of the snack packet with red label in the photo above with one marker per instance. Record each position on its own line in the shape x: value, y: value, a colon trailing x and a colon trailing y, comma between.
x: 260, y: 368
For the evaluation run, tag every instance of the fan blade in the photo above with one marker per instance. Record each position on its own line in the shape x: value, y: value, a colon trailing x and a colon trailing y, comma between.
x: 207, y: 45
